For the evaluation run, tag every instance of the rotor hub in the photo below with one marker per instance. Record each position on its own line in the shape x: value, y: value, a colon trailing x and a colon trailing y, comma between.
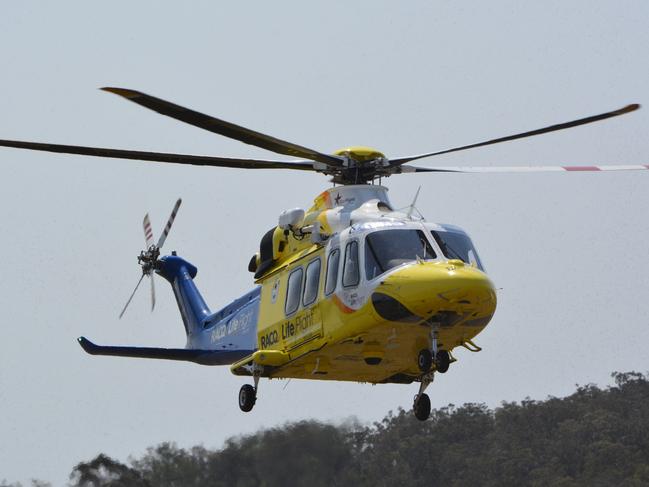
x: 361, y: 165
x: 148, y: 259
x: 360, y: 153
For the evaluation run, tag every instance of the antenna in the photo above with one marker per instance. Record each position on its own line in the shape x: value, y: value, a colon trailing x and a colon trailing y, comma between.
x: 412, y: 207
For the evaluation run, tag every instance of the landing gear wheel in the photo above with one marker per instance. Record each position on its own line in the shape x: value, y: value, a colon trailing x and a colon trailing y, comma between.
x: 421, y: 407
x: 425, y: 361
x: 247, y: 397
x: 442, y: 361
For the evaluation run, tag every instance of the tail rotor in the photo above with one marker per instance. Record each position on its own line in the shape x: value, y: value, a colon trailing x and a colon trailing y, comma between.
x: 148, y: 259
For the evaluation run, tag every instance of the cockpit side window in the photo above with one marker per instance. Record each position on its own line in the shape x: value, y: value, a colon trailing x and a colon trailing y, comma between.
x: 372, y: 267
x: 351, y: 274
x: 456, y: 245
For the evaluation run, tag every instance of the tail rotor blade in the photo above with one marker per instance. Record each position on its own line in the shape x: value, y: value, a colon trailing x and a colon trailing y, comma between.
x: 170, y: 222
x: 152, y: 293
x: 148, y: 231
x: 132, y: 294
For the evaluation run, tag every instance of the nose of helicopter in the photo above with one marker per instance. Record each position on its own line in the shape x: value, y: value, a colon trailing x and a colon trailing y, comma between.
x: 447, y: 293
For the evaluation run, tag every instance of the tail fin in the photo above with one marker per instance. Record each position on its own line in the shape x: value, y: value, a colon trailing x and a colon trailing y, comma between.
x: 191, y: 304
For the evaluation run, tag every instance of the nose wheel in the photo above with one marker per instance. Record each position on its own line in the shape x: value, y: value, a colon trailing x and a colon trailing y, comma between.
x: 442, y: 361
x: 440, y: 358
x: 425, y: 361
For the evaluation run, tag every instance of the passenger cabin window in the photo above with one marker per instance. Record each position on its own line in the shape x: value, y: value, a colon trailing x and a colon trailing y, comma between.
x: 351, y: 274
x: 387, y: 249
x: 332, y: 271
x: 311, y: 283
x: 293, y: 291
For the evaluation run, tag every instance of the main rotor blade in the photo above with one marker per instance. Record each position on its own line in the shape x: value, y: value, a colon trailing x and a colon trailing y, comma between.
x: 132, y: 294
x: 170, y: 222
x: 224, y: 128
x: 545, y: 130
x: 522, y: 169
x: 160, y: 156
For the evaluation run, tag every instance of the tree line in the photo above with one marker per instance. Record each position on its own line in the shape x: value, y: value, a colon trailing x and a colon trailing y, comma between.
x: 594, y: 437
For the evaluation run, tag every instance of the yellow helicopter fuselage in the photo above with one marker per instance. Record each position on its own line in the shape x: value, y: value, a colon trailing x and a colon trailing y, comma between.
x: 329, y: 310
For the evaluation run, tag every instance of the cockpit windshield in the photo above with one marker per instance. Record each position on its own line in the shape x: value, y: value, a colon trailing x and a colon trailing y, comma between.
x: 386, y: 249
x: 457, y: 245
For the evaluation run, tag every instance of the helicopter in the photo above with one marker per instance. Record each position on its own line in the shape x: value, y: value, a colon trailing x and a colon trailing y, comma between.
x: 350, y: 289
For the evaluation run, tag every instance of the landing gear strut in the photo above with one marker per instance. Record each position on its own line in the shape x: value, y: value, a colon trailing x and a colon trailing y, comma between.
x: 421, y: 405
x: 248, y: 393
x: 425, y: 361
x: 441, y: 358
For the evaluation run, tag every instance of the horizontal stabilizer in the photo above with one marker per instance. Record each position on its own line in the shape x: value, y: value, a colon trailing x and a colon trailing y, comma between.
x: 203, y: 357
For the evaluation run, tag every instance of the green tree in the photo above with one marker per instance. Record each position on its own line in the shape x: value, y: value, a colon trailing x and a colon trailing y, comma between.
x: 103, y: 471
x: 594, y: 437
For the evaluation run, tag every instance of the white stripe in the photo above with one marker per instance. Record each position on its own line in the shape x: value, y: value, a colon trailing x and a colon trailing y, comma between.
x: 520, y: 169
x: 622, y: 168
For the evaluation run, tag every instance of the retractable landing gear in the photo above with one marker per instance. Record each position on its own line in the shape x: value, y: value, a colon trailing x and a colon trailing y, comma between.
x: 421, y: 405
x: 248, y: 393
x: 247, y: 397
x: 426, y: 358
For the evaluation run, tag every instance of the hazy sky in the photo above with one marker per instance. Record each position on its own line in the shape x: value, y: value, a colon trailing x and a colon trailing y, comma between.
x: 568, y: 250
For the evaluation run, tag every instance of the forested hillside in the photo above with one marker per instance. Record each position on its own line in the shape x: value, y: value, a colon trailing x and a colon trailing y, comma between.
x: 595, y: 437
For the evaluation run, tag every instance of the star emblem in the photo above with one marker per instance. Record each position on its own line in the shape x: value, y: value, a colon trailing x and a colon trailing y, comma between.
x: 337, y: 198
